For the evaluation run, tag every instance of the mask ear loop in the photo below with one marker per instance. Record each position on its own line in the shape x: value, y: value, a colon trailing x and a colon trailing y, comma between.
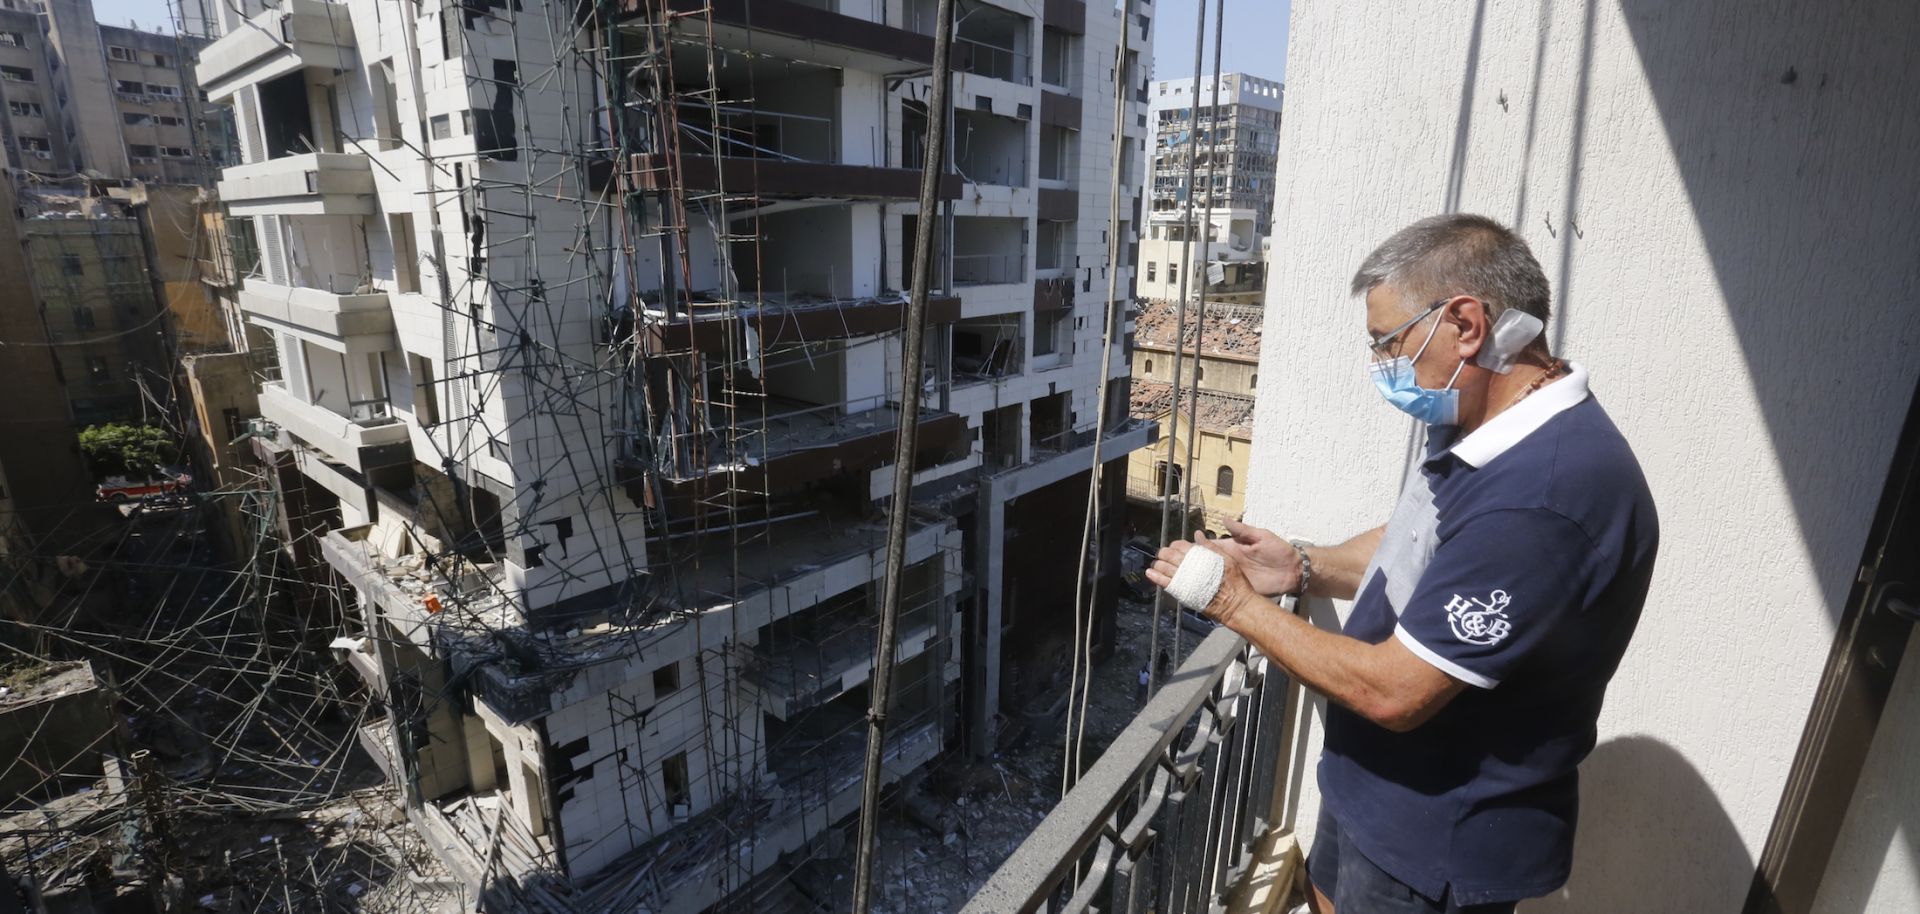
x: 1428, y: 342
x: 1423, y: 351
x: 1456, y: 374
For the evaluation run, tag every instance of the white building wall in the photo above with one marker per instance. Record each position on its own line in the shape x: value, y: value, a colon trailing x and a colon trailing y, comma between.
x: 1713, y: 192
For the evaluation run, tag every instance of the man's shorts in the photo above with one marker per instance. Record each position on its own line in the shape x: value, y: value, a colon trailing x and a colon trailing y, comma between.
x: 1356, y: 886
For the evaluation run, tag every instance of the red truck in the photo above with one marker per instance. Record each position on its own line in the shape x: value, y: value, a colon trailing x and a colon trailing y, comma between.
x: 121, y: 489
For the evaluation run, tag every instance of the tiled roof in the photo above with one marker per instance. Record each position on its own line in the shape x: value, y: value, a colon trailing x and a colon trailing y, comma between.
x: 1219, y: 412
x: 1231, y: 329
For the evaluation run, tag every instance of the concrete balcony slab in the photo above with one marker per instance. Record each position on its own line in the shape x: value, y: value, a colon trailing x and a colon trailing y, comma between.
x: 796, y: 31
x: 327, y: 314
x: 315, y: 184
x: 297, y: 35
x: 360, y: 445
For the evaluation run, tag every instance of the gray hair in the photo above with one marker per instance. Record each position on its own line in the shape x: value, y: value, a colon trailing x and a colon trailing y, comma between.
x: 1459, y: 254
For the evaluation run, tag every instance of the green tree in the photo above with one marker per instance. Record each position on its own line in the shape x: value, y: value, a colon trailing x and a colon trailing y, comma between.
x: 119, y: 449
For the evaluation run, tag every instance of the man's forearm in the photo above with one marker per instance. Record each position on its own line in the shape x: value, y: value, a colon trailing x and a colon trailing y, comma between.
x: 1331, y: 664
x: 1337, y: 569
x: 1360, y: 676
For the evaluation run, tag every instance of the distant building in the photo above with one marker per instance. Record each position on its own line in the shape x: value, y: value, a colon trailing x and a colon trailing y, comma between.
x: 1233, y: 161
x: 105, y: 102
x: 1226, y: 368
x: 39, y: 455
x: 97, y: 304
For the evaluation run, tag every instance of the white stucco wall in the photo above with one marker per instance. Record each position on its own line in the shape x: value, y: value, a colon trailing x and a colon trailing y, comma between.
x: 1722, y: 196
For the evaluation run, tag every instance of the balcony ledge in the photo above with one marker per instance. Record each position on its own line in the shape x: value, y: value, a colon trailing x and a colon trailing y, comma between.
x: 796, y: 31
x: 301, y: 34
x: 772, y: 177
x: 330, y: 315
x: 351, y: 443
x: 318, y: 183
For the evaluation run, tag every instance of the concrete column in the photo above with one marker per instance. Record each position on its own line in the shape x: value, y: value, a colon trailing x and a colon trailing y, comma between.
x: 858, y: 123
x: 480, y: 774
x: 526, y: 790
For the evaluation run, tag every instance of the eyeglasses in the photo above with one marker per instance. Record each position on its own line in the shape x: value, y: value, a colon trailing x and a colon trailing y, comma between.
x: 1384, y: 342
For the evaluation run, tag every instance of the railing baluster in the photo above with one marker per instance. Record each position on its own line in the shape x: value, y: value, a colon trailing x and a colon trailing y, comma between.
x: 1166, y: 818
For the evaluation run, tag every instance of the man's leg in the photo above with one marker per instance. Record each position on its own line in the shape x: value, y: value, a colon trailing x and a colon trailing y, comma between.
x: 1323, y: 864
x: 1360, y: 887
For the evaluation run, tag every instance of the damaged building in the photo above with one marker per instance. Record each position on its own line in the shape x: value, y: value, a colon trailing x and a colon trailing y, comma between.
x: 588, y: 320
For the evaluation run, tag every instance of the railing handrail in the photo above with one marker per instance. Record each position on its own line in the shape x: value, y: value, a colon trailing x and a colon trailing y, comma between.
x: 1000, y: 268
x: 1018, y: 69
x: 735, y: 136
x: 1055, y: 848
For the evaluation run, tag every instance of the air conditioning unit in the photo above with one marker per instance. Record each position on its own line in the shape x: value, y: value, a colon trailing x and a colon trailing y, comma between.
x: 43, y: 155
x: 144, y: 160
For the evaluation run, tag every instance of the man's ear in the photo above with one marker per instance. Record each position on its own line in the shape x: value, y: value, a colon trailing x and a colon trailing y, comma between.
x: 1468, y: 315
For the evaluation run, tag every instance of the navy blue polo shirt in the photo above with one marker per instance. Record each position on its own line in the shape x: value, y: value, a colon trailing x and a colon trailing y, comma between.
x: 1517, y: 562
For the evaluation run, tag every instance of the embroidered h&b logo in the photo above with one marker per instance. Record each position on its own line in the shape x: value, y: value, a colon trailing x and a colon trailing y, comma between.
x: 1480, y: 623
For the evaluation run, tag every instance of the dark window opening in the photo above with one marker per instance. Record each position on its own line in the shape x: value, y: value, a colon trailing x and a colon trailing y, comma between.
x: 666, y: 680
x: 285, y: 117
x: 493, y: 128
x: 1166, y: 479
x: 675, y: 784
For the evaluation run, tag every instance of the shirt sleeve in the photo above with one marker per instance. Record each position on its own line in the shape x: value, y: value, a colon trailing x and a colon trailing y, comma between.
x: 1496, y: 589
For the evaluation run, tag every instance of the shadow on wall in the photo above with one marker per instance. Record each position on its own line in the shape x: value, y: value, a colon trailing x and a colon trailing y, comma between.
x: 1794, y: 129
x: 1634, y: 785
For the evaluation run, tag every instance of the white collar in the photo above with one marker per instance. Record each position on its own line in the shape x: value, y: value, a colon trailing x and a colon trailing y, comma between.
x: 1516, y: 422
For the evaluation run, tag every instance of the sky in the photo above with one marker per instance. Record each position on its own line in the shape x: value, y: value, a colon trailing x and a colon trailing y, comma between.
x: 1255, y: 38
x: 152, y: 15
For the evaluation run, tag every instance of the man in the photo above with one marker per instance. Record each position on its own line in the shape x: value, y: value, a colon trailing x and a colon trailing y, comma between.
x: 1489, y: 612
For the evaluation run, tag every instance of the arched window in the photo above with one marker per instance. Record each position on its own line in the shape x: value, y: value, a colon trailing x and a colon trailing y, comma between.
x: 1253, y: 381
x: 1199, y: 373
x: 1149, y: 366
x: 1223, y: 481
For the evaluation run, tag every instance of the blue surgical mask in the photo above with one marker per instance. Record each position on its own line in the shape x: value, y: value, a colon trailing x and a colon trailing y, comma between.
x: 1395, y: 381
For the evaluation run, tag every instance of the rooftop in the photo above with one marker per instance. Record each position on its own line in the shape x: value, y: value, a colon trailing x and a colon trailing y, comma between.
x: 1232, y: 330
x: 1218, y: 412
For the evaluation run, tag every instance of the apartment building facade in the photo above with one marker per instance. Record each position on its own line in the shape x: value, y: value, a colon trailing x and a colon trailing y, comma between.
x: 171, y: 135
x: 103, y: 101
x: 588, y: 393
x: 1231, y: 149
x: 88, y: 270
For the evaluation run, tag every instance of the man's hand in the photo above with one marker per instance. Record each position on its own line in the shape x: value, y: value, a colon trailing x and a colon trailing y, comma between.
x: 1235, y: 591
x: 1271, y: 564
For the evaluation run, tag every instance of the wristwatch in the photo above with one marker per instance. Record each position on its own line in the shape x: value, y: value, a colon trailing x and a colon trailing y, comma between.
x: 1306, y: 567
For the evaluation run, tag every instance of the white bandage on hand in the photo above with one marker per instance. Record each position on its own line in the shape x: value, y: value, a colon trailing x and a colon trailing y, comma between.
x: 1198, y: 578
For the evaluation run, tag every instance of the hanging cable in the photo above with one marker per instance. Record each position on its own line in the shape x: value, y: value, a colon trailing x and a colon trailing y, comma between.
x: 1080, y: 680
x: 900, y: 509
x: 1160, y: 599
x: 1206, y: 251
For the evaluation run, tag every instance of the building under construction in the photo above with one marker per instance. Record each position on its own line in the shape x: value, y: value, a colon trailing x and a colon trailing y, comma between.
x: 589, y: 327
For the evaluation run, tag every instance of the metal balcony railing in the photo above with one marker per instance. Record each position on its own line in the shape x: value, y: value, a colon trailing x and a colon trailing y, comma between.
x: 988, y: 269
x: 983, y: 59
x: 760, y: 134
x: 371, y: 413
x: 1167, y: 819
